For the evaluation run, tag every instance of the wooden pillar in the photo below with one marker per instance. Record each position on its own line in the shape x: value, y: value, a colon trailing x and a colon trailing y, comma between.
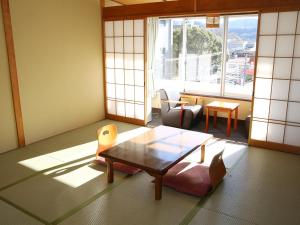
x: 13, y: 71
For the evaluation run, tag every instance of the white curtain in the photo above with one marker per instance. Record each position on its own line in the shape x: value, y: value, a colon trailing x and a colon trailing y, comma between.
x: 152, y: 40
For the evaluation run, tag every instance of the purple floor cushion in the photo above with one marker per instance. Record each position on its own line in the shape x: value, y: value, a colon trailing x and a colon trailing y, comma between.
x: 189, y: 178
x: 120, y: 166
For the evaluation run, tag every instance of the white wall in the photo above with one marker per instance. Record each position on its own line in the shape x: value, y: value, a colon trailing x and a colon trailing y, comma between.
x: 58, y: 53
x: 8, y: 133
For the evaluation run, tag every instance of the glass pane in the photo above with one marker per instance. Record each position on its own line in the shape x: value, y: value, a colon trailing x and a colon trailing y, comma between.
x: 129, y: 93
x: 278, y: 110
x: 261, y: 108
x: 275, y: 133
x: 110, y: 75
x: 268, y: 23
x: 128, y: 64
x: 292, y: 135
x: 109, y: 45
x: 139, y: 77
x: 297, y: 46
x: 139, y: 94
x: 128, y: 44
x: 120, y: 108
x: 139, y: 28
x: 129, y: 110
x: 295, y: 91
x: 109, y: 29
x: 296, y: 68
x: 139, y: 61
x: 202, y: 66
x: 118, y: 28
x: 111, y: 107
x: 110, y: 60
x: 119, y: 76
x: 129, y: 77
x: 128, y: 28
x: 170, y: 34
x: 264, y: 67
x: 110, y: 90
x: 285, y: 46
x: 119, y: 44
x: 287, y: 22
x: 120, y: 92
x: 139, y: 112
x: 266, y: 46
x: 282, y: 68
x: 280, y: 89
x: 263, y: 88
x: 293, y: 114
x: 119, y: 59
x: 259, y: 131
x: 241, y: 50
x: 138, y: 45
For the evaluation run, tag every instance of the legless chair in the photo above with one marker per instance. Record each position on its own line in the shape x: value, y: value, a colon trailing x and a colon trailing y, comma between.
x: 107, y: 137
x: 194, y: 178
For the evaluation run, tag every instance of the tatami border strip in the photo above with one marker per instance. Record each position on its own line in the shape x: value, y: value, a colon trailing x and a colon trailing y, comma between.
x: 89, y: 201
x: 24, y: 211
x: 44, y: 171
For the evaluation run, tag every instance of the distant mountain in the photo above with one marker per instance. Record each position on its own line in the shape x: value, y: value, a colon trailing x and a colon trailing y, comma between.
x: 249, y: 23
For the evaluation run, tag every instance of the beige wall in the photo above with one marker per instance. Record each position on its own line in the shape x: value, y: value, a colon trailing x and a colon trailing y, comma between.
x: 244, y: 108
x: 8, y: 133
x: 58, y: 53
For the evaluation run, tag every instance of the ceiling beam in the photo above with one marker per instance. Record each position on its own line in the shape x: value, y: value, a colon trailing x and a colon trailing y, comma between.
x: 223, y: 6
x: 190, y: 7
x: 149, y: 9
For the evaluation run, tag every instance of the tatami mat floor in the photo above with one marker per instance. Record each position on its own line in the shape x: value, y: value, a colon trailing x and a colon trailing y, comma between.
x: 55, y: 181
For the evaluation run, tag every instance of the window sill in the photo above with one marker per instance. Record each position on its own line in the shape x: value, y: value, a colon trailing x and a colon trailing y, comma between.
x: 215, y: 96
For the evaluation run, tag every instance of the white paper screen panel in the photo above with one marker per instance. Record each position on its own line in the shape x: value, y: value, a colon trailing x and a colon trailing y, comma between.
x: 276, y: 109
x: 124, y: 68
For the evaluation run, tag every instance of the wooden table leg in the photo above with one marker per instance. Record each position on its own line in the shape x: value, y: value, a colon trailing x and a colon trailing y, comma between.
x: 229, y: 123
x: 110, y: 171
x: 236, y: 118
x: 158, y: 186
x: 202, y: 153
x: 207, y: 120
x: 215, y: 118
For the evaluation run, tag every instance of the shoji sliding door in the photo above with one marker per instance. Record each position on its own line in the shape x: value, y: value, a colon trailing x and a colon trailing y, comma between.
x: 124, y: 70
x: 276, y: 109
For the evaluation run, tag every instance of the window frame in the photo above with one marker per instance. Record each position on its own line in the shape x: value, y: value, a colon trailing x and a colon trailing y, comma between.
x: 222, y: 91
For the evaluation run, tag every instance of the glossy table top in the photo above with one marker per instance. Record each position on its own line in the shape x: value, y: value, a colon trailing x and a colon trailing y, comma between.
x: 157, y: 150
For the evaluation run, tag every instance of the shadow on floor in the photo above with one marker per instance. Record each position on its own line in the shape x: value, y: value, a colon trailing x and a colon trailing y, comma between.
x: 219, y: 132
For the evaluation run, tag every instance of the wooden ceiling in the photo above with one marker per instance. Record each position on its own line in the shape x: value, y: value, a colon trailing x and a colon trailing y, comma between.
x: 110, y: 3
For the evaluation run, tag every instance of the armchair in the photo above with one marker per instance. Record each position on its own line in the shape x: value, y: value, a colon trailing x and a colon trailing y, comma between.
x: 172, y: 116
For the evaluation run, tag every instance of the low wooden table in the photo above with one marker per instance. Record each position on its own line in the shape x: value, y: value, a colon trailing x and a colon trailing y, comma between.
x: 222, y: 107
x: 156, y: 151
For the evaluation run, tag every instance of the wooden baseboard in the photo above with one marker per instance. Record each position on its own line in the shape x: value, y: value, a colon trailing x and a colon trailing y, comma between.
x: 275, y: 146
x: 125, y: 119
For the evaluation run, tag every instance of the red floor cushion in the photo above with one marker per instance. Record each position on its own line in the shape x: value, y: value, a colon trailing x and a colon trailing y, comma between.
x: 189, y: 178
x: 120, y: 166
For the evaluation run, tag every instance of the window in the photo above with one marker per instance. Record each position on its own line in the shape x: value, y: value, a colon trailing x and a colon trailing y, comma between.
x: 193, y: 58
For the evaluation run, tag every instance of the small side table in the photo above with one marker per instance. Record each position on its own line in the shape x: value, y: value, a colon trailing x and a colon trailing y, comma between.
x: 182, y: 104
x: 228, y: 107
